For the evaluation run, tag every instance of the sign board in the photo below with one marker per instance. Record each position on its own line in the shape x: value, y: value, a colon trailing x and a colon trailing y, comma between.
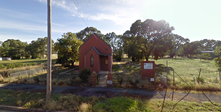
x: 109, y: 82
x: 148, y: 65
x: 0, y: 58
x: 147, y: 70
x: 152, y: 79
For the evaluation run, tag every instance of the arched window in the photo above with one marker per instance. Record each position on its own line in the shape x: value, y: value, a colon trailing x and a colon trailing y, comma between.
x: 92, y: 60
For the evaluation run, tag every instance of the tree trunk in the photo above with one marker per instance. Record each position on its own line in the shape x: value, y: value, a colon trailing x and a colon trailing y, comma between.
x: 147, y: 58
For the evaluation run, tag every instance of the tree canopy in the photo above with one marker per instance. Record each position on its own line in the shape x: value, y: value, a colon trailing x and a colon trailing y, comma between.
x: 150, y: 36
x: 68, y: 48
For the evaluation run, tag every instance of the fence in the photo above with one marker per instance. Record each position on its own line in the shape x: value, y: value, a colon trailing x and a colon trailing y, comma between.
x: 26, y: 73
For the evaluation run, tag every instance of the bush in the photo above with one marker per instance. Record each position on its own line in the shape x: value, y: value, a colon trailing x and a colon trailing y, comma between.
x: 200, y: 80
x: 34, y: 63
x: 85, y: 74
x: 36, y: 79
x: 134, y: 82
x: 18, y: 64
x: 120, y: 80
x: 24, y: 64
x: 118, y: 58
x: 117, y: 104
x: 10, y: 65
x: 16, y: 57
x: 5, y: 74
x: 2, y: 66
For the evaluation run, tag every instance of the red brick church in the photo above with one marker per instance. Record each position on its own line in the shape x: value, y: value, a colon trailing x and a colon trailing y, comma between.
x: 96, y: 54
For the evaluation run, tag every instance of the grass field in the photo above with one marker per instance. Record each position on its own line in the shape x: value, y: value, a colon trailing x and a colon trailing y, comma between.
x: 187, y: 69
x: 25, y: 61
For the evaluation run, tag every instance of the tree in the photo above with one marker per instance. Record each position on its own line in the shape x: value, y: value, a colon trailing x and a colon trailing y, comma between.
x: 13, y: 48
x: 208, y: 45
x: 204, y: 56
x: 190, y: 49
x: 130, y: 48
x: 68, y: 49
x: 84, y: 34
x: 116, y: 43
x: 110, y: 37
x: 149, y: 35
x: 217, y: 60
x: 175, y: 41
x: 37, y: 48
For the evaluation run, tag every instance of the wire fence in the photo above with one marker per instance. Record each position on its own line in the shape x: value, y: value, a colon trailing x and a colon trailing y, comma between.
x: 189, y: 89
x: 27, y: 73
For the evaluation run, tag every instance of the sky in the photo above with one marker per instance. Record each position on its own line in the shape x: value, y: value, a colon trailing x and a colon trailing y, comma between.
x: 26, y: 20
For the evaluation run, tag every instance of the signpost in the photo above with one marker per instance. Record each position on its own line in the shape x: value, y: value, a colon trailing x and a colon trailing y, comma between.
x: 148, y: 70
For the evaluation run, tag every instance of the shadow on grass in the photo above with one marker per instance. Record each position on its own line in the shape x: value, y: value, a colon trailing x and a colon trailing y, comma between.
x: 161, y: 68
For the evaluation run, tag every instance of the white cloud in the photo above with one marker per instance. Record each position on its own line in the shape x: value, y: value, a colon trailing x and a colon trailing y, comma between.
x: 118, y: 11
x: 23, y: 38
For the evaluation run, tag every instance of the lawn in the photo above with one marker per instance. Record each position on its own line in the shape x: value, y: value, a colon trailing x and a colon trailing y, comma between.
x: 116, y: 67
x: 187, y: 69
x: 72, y: 102
x: 25, y: 61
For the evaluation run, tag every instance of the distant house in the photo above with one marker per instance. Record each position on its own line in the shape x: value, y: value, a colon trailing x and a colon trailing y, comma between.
x: 96, y: 54
x: 6, y: 58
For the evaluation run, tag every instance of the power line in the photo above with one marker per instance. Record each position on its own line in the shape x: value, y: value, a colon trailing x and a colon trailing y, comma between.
x: 79, y: 13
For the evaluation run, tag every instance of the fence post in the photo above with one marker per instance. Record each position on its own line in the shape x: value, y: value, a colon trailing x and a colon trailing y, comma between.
x: 94, y: 78
x: 199, y: 76
x: 219, y: 76
x: 109, y: 79
x: 173, y: 84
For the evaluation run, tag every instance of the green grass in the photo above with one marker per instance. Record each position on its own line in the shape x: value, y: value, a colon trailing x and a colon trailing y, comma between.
x: 191, y: 67
x: 99, y: 104
x: 116, y: 67
x: 25, y: 61
x: 188, y: 69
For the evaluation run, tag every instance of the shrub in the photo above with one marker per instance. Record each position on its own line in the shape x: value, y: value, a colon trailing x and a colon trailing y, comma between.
x: 2, y: 66
x: 5, y: 74
x: 118, y: 58
x: 120, y: 80
x: 24, y: 64
x: 34, y: 63
x: 18, y: 64
x: 73, y: 79
x: 10, y: 65
x: 36, y: 79
x: 134, y: 82
x: 200, y: 80
x: 85, y: 74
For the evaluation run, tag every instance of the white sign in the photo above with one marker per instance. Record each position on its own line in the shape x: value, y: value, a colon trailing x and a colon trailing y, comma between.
x: 109, y: 82
x: 148, y: 65
x: 152, y: 79
x: 0, y: 58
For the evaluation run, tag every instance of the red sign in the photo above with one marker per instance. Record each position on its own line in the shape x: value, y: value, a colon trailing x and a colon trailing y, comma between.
x: 148, y: 70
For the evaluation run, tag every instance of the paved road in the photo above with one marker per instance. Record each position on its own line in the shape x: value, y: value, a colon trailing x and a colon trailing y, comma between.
x: 109, y: 92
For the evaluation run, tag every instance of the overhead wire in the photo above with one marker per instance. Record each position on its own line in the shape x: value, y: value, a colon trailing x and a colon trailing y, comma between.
x: 79, y: 13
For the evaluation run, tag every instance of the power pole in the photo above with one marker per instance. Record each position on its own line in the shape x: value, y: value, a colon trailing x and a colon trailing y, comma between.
x: 48, y: 92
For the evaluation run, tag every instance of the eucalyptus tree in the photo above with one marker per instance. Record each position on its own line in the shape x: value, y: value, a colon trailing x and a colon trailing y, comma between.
x: 149, y: 36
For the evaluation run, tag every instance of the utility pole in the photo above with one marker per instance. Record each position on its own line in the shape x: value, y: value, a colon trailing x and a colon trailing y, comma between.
x: 48, y: 92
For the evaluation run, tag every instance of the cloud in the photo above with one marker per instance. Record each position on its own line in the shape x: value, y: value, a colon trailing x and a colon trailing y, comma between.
x: 23, y: 38
x: 117, y: 11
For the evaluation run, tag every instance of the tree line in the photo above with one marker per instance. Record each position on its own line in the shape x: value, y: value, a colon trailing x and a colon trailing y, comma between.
x: 17, y: 49
x: 143, y: 40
